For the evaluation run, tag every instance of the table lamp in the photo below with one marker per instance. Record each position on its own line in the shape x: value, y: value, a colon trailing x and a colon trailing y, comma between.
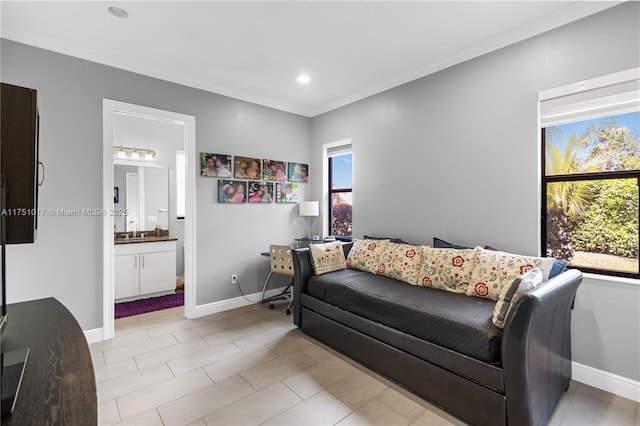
x: 309, y: 208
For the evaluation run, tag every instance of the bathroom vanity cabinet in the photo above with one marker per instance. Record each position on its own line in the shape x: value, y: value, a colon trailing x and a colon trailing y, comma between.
x: 144, y: 268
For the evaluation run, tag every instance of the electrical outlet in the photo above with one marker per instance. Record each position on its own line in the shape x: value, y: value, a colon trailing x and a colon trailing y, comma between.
x: 234, y: 279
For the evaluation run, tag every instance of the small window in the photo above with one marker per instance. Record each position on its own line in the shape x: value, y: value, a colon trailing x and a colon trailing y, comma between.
x: 591, y: 176
x: 340, y: 195
x: 180, y: 185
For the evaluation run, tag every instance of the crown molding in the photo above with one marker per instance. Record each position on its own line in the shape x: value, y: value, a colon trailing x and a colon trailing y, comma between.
x: 562, y: 17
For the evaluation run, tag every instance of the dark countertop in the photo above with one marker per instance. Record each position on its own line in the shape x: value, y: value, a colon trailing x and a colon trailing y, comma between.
x: 146, y: 239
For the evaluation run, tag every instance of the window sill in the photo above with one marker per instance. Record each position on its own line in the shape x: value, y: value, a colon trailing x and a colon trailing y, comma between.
x: 610, y: 278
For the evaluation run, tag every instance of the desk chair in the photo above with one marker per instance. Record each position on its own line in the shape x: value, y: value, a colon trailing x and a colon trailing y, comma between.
x: 281, y: 263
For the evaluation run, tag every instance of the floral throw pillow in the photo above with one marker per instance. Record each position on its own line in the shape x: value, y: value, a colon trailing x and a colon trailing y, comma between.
x: 447, y: 268
x: 327, y: 257
x: 512, y: 292
x: 496, y: 269
x: 364, y: 255
x: 401, y: 262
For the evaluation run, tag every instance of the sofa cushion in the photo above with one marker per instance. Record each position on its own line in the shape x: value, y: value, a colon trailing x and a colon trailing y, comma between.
x: 439, y: 243
x: 559, y: 266
x: 496, y: 269
x: 400, y: 261
x: 327, y: 257
x: 391, y: 239
x: 364, y: 254
x: 447, y: 269
x: 453, y: 321
x: 512, y: 292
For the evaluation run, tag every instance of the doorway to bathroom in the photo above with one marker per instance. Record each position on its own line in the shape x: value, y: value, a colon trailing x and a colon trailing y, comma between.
x: 148, y: 229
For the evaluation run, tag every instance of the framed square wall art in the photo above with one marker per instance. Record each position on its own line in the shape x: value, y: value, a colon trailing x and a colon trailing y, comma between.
x: 247, y: 168
x: 287, y: 192
x: 230, y: 191
x: 260, y: 192
x: 215, y: 165
x: 274, y: 170
x: 298, y: 172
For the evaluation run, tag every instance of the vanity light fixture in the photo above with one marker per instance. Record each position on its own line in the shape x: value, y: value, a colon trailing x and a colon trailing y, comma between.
x: 121, y: 155
x: 135, y: 154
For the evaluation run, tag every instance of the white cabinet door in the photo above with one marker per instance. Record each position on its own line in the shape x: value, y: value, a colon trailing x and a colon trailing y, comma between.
x: 126, y: 276
x: 157, y: 272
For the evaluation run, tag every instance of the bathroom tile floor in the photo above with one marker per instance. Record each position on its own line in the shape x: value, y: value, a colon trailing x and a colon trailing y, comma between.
x: 251, y: 366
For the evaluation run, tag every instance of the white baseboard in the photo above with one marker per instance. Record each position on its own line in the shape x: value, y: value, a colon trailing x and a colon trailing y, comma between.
x: 236, y: 302
x: 94, y: 336
x: 606, y: 381
x: 97, y: 334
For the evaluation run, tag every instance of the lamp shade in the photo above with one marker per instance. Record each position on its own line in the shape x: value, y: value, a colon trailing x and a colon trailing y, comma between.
x: 121, y: 153
x: 309, y: 208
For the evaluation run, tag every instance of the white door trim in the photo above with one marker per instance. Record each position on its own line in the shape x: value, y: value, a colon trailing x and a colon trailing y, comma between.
x: 109, y: 107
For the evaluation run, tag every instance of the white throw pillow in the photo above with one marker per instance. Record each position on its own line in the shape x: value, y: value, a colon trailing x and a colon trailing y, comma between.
x: 327, y: 257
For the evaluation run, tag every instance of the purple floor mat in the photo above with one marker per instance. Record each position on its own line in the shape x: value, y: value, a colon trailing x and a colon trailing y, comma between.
x: 136, y: 307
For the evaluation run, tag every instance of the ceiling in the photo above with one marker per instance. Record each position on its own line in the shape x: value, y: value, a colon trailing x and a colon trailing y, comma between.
x: 255, y: 50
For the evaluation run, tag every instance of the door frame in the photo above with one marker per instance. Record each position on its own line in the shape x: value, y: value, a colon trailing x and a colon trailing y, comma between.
x: 109, y: 107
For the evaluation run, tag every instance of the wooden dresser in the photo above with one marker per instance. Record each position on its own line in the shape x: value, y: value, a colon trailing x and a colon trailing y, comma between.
x: 59, y: 385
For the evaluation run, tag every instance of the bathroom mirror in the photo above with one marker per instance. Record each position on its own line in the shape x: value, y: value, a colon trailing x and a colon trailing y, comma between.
x: 144, y: 192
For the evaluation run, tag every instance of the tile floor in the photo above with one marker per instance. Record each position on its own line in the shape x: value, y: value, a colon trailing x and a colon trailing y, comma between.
x: 252, y: 366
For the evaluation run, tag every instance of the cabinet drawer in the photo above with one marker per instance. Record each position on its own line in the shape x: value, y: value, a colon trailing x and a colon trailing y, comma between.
x: 137, y: 248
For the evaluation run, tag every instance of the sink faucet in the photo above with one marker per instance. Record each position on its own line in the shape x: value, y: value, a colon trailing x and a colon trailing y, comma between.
x: 135, y: 231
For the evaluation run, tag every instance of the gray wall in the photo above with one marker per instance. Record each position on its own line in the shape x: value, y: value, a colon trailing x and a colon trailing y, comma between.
x: 66, y: 260
x: 456, y: 155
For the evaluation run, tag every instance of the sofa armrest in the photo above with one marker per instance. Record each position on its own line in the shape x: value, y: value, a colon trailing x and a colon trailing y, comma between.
x: 536, y: 349
x: 302, y: 272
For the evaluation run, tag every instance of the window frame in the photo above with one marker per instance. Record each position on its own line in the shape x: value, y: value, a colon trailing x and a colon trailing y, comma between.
x: 592, y: 176
x: 336, y: 191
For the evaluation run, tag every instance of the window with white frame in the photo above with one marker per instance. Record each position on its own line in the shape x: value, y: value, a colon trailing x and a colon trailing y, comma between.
x: 591, y: 174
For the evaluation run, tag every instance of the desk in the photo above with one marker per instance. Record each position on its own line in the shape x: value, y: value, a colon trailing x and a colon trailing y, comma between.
x: 59, y: 384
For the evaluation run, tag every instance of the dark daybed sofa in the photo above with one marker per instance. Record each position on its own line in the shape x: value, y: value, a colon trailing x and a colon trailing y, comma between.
x: 443, y: 346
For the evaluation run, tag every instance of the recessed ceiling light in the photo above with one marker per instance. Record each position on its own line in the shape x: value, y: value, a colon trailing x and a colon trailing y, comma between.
x: 304, y: 79
x: 118, y: 12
